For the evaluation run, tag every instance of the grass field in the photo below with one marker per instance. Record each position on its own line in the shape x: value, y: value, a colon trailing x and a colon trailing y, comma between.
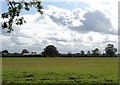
x: 94, y: 70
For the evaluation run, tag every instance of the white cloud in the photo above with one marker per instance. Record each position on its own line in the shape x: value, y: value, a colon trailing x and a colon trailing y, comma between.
x: 57, y: 27
x: 89, y: 20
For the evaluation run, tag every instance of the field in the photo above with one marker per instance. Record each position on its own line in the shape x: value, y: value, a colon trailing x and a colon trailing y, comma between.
x: 88, y: 71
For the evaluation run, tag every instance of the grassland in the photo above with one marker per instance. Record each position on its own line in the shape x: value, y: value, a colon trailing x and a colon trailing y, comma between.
x: 94, y: 70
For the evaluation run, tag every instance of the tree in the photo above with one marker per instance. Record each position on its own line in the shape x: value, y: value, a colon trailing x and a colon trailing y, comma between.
x: 110, y: 50
x: 50, y: 51
x: 88, y: 53
x: 14, y: 10
x: 82, y: 53
x: 70, y: 54
x: 5, y: 52
x: 95, y: 52
x: 25, y: 51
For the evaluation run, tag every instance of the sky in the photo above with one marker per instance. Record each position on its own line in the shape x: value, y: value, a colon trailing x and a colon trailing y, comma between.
x: 71, y: 26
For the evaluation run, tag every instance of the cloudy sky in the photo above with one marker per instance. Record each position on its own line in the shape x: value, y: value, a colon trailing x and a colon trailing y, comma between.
x: 69, y: 25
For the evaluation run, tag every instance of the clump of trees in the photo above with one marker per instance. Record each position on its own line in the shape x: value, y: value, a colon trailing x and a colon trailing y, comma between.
x: 50, y: 51
x: 5, y: 52
x: 110, y: 50
x: 25, y: 51
x: 95, y: 52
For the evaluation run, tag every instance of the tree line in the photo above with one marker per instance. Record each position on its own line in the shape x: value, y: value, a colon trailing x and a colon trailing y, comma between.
x: 51, y: 51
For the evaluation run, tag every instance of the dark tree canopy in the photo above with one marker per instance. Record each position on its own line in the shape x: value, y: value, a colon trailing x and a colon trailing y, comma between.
x: 88, y: 53
x: 110, y: 50
x: 50, y: 51
x: 70, y: 54
x: 5, y: 51
x: 82, y: 53
x: 95, y: 52
x: 25, y: 51
x: 14, y: 10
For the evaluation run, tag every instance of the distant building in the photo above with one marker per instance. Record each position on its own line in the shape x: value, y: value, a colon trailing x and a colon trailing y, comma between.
x: 33, y: 53
x: 26, y: 53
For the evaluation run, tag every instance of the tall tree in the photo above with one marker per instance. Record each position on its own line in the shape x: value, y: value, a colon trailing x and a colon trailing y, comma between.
x: 110, y: 50
x: 82, y: 53
x: 70, y: 54
x: 14, y: 10
x: 95, y: 52
x: 50, y: 51
x: 5, y: 52
x: 88, y: 53
x: 25, y: 51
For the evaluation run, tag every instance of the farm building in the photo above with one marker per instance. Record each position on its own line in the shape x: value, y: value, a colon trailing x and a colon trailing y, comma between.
x: 26, y: 53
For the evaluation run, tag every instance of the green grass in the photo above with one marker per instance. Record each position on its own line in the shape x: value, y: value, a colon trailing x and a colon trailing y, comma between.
x: 60, y: 70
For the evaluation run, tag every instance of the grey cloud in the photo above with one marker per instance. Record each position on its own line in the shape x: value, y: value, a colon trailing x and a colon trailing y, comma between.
x: 90, y: 38
x: 44, y: 42
x: 57, y: 39
x: 106, y: 40
x: 59, y: 21
x: 95, y: 21
x: 12, y: 48
x: 66, y: 48
x: 36, y: 48
x: 109, y: 41
x: 19, y: 48
x: 77, y: 40
x: 16, y: 40
x: 77, y: 13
